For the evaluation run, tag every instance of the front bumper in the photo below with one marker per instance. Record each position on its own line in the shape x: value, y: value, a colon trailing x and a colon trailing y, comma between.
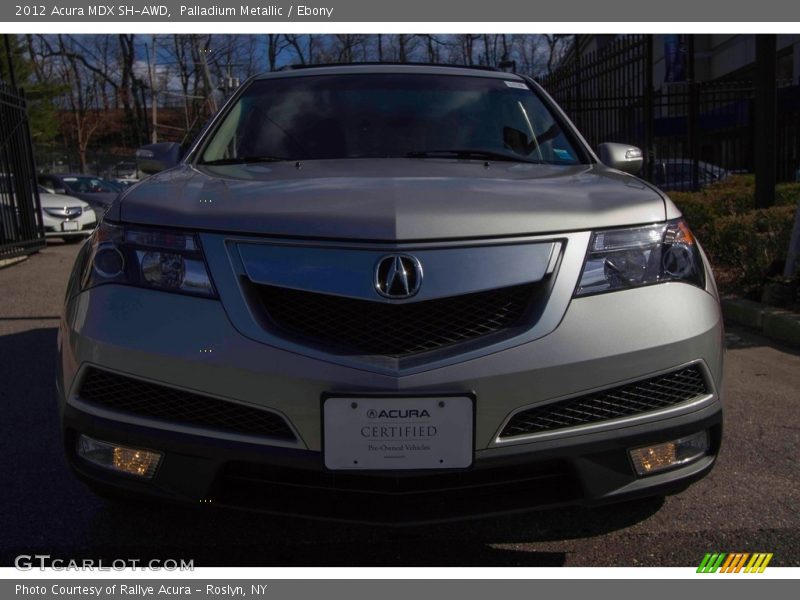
x: 284, y: 481
x: 85, y: 223
x: 189, y: 343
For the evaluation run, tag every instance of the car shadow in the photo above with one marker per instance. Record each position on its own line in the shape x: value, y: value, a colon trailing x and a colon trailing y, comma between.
x: 48, y: 511
x: 218, y: 537
x: 739, y: 337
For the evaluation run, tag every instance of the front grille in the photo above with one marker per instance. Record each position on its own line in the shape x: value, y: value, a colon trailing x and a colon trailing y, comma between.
x: 145, y: 399
x: 395, y: 330
x: 623, y: 401
x: 64, y: 212
x: 395, y: 498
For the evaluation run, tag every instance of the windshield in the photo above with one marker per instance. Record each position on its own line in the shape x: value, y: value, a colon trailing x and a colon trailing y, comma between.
x: 389, y: 115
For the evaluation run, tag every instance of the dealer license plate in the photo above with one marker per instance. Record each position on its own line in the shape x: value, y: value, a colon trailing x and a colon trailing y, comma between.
x: 398, y: 433
x: 69, y: 226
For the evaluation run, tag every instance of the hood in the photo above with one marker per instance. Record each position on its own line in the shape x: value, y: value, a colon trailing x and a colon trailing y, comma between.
x: 60, y: 201
x: 97, y: 198
x: 391, y: 199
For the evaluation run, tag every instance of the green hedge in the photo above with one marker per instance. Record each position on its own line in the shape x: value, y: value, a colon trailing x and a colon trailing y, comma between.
x: 750, y: 243
x: 738, y: 238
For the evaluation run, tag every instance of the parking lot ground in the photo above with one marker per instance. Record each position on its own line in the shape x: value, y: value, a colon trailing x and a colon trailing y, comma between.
x: 747, y: 504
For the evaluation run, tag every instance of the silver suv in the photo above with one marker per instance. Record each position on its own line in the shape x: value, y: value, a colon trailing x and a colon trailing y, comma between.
x: 394, y: 294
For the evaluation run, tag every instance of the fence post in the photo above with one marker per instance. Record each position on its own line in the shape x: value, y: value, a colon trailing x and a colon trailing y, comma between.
x: 792, y: 265
x: 692, y: 116
x: 649, y: 149
x: 12, y: 77
x: 766, y: 120
x: 28, y: 143
x: 21, y: 227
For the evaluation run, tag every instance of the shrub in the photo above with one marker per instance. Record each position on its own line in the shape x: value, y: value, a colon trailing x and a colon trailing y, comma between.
x: 698, y: 211
x: 735, y: 195
x: 787, y: 194
x: 749, y: 243
x: 741, y: 242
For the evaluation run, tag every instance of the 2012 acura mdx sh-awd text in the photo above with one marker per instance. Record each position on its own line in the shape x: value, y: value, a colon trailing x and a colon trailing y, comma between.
x: 391, y: 294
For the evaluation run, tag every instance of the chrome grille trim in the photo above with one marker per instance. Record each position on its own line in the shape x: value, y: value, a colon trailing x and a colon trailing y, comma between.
x: 561, y: 417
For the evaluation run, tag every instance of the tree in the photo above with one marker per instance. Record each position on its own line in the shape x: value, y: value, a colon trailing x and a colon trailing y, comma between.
x: 84, y: 84
x: 557, y: 45
x: 276, y: 44
x: 39, y: 90
x: 131, y: 90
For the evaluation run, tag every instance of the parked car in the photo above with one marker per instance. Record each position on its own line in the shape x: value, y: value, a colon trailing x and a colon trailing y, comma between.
x: 126, y: 169
x: 391, y: 293
x: 677, y: 174
x: 95, y: 191
x: 62, y: 216
x: 124, y: 174
x: 66, y: 217
x: 123, y: 184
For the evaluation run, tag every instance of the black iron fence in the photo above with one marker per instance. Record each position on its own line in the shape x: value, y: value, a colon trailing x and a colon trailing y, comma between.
x: 21, y: 230
x: 606, y: 93
x: 692, y: 132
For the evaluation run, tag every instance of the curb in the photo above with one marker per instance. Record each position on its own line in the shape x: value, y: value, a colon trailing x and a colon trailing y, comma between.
x: 7, y: 262
x: 775, y: 323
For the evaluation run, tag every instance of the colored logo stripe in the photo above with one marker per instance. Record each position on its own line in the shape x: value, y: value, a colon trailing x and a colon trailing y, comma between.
x: 734, y: 562
x: 711, y: 563
x: 758, y: 563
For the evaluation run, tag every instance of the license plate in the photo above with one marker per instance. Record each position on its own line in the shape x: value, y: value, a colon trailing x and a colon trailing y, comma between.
x: 69, y: 226
x: 398, y: 433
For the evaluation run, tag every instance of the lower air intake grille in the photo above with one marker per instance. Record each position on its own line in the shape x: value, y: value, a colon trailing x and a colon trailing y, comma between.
x: 394, y: 499
x: 396, y: 330
x: 631, y: 399
x: 145, y: 399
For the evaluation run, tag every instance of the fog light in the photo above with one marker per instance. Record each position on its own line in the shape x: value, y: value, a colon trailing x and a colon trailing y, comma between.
x: 108, y: 261
x: 133, y: 461
x: 652, y: 459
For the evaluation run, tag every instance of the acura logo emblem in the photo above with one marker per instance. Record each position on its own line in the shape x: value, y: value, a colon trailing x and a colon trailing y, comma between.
x: 398, y: 276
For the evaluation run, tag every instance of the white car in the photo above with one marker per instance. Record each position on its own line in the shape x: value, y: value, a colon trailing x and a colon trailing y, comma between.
x: 66, y: 217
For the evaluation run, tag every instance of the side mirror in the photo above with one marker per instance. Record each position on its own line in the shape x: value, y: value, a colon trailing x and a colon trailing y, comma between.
x: 622, y: 156
x: 153, y: 158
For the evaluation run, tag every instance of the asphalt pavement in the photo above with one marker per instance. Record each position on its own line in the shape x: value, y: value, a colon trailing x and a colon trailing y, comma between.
x: 749, y: 503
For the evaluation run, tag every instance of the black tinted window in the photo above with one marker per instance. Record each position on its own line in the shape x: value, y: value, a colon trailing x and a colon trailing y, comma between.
x: 388, y: 115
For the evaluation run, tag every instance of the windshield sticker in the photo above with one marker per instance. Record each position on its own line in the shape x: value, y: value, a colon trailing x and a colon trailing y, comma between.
x: 562, y: 154
x: 516, y: 85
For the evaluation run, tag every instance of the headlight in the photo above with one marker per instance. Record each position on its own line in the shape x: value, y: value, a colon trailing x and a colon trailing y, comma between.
x: 619, y: 259
x: 166, y: 260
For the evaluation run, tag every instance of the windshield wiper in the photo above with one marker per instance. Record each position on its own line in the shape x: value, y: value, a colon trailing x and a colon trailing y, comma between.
x: 241, y: 160
x: 469, y: 153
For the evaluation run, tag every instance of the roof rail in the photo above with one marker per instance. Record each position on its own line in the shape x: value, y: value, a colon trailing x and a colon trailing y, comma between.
x: 376, y: 62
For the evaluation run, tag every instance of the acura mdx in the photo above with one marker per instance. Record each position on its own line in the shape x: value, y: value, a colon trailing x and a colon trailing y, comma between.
x: 393, y: 294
